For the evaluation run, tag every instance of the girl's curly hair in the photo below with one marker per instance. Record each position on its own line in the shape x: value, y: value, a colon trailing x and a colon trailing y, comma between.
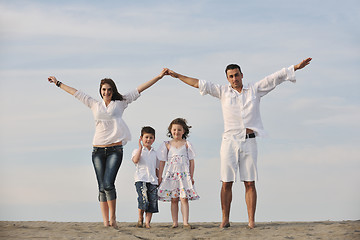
x: 183, y: 123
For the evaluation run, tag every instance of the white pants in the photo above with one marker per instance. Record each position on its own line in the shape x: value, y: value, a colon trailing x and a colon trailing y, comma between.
x: 238, y: 154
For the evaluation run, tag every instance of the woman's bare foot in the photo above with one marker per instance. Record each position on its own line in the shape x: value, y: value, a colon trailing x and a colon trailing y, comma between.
x: 114, y: 224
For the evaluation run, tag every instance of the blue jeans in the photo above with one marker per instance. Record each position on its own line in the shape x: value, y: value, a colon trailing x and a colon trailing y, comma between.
x: 147, y: 197
x: 107, y: 161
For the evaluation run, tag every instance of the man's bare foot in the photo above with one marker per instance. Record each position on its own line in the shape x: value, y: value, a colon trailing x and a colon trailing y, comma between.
x: 225, y: 225
x: 251, y: 225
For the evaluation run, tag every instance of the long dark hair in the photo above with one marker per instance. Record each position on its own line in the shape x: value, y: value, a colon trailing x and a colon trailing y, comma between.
x: 183, y: 123
x: 116, y: 95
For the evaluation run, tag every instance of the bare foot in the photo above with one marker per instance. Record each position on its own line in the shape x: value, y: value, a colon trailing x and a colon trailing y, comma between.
x: 188, y: 226
x: 174, y: 225
x: 139, y: 224
x: 225, y: 225
x: 251, y: 225
x: 114, y: 224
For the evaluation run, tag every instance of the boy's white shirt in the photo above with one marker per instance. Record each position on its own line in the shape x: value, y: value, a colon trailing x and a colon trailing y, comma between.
x: 147, y: 165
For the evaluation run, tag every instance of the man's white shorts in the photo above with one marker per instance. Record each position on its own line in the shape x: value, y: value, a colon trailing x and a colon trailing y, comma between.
x: 238, y: 154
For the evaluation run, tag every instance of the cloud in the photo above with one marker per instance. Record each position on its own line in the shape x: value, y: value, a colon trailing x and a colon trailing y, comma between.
x: 329, y: 111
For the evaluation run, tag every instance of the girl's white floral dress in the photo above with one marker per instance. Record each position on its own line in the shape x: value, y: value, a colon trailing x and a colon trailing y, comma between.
x: 176, y: 181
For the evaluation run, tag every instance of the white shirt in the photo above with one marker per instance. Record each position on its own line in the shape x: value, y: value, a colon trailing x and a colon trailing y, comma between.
x: 242, y: 110
x: 109, y: 125
x: 147, y: 165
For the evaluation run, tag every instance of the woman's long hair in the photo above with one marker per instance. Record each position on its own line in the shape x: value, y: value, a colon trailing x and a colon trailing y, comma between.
x: 116, y: 95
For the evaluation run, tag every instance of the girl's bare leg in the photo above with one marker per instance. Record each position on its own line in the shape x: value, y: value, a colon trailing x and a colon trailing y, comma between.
x: 185, y: 210
x: 174, y: 211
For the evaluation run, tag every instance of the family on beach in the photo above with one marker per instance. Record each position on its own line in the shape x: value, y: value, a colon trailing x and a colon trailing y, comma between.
x: 167, y: 174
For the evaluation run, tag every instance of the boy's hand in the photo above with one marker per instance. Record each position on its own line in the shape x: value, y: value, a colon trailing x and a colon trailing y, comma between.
x: 140, y: 145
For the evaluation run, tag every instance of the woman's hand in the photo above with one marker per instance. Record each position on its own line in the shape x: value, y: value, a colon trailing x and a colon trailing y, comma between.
x: 52, y: 79
x: 163, y: 73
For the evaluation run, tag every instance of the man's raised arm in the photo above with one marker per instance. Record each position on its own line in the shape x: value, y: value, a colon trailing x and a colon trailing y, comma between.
x: 194, y: 82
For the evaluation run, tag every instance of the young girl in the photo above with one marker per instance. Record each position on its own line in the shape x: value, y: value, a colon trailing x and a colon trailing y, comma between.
x: 177, y: 163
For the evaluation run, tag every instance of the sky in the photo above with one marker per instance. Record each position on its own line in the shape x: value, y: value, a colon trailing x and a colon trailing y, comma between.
x: 308, y: 165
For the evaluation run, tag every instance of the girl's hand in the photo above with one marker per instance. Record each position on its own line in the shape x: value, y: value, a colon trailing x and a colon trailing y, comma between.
x: 193, y: 181
x: 159, y: 180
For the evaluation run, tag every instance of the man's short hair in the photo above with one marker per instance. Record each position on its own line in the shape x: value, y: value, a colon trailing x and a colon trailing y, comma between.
x: 147, y: 129
x: 232, y: 66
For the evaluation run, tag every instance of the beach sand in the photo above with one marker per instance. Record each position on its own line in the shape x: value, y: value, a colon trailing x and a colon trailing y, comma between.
x: 270, y: 230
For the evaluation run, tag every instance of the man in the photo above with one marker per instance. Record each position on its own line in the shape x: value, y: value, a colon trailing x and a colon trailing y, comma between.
x: 242, y: 123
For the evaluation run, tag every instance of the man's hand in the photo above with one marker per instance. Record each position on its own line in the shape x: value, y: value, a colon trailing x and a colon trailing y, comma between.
x: 302, y: 64
x: 172, y: 73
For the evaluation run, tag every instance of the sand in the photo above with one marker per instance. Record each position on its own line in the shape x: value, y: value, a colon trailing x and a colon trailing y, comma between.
x: 271, y: 230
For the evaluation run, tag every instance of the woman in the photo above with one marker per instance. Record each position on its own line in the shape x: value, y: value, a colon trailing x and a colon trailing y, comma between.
x: 111, y: 133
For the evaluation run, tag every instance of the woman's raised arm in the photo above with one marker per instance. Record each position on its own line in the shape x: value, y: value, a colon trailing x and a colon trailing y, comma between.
x: 61, y: 85
x: 151, y: 82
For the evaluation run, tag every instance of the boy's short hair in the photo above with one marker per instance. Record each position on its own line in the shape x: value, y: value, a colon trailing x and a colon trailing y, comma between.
x: 147, y: 129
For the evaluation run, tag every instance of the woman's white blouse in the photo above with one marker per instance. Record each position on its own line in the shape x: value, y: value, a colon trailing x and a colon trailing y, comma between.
x: 109, y: 125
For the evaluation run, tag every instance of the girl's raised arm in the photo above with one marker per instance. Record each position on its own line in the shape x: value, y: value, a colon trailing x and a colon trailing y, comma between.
x: 61, y: 85
x: 151, y: 82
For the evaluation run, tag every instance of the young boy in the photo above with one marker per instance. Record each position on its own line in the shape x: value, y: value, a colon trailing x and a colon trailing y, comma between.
x: 146, y: 176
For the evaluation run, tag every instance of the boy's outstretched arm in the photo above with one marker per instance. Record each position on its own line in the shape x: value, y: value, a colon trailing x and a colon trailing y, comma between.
x: 194, y: 82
